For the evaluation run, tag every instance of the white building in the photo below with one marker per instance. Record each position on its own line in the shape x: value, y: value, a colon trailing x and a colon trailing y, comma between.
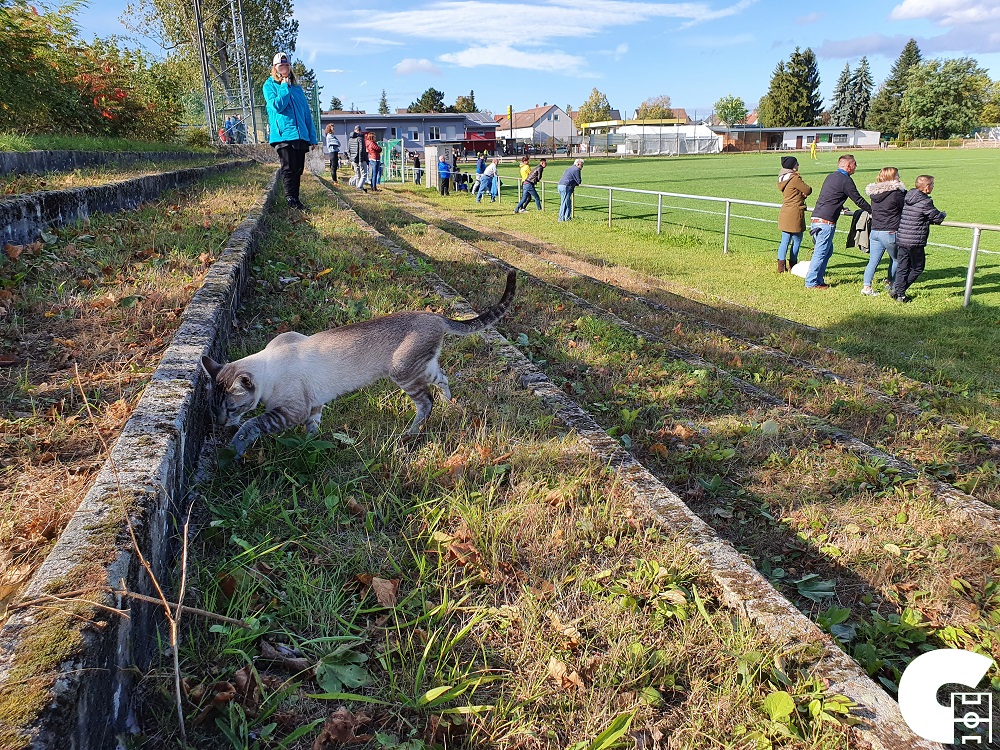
x: 548, y: 125
x: 827, y: 137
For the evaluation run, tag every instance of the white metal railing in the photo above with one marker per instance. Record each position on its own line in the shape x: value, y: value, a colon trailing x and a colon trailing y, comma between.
x: 974, y: 251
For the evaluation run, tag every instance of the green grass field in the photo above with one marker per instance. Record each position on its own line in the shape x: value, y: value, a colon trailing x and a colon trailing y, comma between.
x: 933, y: 338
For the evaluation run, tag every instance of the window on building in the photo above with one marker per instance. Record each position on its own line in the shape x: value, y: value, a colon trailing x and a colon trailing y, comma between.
x: 393, y: 133
x: 555, y: 117
x: 840, y: 137
x: 413, y: 135
x: 434, y: 133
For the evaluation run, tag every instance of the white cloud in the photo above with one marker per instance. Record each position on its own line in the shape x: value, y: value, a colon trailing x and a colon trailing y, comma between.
x: 334, y: 70
x: 412, y: 65
x: 615, y: 54
x: 551, y: 19
x: 375, y: 41
x: 507, y: 56
x: 810, y: 19
x: 947, y: 12
x: 964, y: 40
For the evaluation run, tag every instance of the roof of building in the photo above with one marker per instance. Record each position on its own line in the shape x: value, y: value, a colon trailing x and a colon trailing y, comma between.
x: 525, y: 119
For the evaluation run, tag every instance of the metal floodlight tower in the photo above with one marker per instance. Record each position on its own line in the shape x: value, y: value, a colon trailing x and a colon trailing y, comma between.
x: 237, y: 97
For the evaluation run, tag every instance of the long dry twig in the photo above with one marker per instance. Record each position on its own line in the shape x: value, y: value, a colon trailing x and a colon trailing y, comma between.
x: 175, y: 625
x: 75, y: 593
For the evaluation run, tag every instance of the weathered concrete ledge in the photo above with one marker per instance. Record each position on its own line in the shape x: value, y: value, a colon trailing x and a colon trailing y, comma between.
x: 742, y: 587
x: 81, y: 697
x: 40, y: 162
x: 23, y: 217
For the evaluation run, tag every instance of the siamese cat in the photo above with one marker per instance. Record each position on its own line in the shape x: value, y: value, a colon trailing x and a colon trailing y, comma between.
x: 295, y: 375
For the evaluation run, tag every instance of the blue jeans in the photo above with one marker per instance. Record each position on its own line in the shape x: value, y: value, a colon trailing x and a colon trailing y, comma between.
x: 529, y: 193
x: 418, y: 175
x: 796, y: 241
x: 882, y: 242
x: 823, y: 234
x: 374, y: 172
x: 361, y: 172
x: 565, y: 202
x: 485, y: 185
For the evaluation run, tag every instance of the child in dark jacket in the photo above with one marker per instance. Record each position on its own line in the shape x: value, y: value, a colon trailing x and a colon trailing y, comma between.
x: 911, y: 239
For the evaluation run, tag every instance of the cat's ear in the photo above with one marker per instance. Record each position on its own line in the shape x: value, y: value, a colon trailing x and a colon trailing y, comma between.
x: 247, y: 382
x: 211, y: 367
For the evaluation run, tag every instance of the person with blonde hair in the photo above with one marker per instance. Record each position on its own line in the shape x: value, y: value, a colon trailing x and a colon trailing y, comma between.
x: 289, y: 119
x: 331, y: 144
x: 886, y: 195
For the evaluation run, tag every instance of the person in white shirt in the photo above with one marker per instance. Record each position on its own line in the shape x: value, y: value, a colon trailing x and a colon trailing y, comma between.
x: 487, y: 179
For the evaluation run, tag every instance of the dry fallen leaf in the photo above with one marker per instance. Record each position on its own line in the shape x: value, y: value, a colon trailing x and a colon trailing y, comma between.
x: 385, y: 590
x: 341, y: 728
x: 571, y: 637
x: 560, y: 674
x: 248, y: 689
x: 8, y: 360
x: 13, y: 251
x: 355, y: 508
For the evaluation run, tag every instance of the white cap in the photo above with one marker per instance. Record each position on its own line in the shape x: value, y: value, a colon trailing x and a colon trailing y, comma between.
x: 279, y: 58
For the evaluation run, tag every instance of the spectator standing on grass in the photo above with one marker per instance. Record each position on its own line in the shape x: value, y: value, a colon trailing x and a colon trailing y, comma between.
x: 572, y: 177
x: 915, y: 222
x: 533, y: 178
x: 886, y: 195
x: 331, y: 145
x: 837, y: 188
x: 374, y: 161
x: 444, y: 175
x: 290, y: 120
x: 486, y: 180
x: 418, y: 173
x: 812, y: 148
x: 791, y: 217
x: 358, y: 155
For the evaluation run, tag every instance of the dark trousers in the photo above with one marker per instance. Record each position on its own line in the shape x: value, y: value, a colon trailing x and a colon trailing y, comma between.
x: 910, y: 263
x: 334, y: 166
x: 293, y: 161
x: 443, y: 186
x: 529, y: 193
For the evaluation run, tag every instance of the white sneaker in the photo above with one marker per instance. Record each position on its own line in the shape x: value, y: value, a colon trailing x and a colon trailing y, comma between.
x: 869, y: 292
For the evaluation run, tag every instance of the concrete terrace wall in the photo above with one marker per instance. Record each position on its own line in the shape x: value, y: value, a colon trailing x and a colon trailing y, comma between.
x: 86, y: 697
x: 40, y: 162
x: 23, y: 217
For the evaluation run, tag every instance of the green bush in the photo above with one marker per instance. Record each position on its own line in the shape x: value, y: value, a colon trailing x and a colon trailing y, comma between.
x: 57, y: 83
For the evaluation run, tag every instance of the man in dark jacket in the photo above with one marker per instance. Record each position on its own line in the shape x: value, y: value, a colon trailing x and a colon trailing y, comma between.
x: 911, y: 239
x: 529, y: 188
x: 572, y: 177
x: 358, y: 155
x: 837, y: 188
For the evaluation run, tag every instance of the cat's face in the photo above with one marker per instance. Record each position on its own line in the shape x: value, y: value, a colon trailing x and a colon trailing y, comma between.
x: 231, y: 394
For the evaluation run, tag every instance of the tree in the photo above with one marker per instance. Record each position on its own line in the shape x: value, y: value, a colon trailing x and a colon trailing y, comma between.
x: 793, y: 97
x: 990, y: 116
x: 840, y: 109
x: 595, y: 109
x: 335, y: 103
x: 860, y: 94
x: 269, y: 26
x: 431, y: 100
x: 731, y: 110
x: 656, y: 108
x: 383, y: 104
x: 466, y: 103
x: 884, y: 113
x: 943, y: 98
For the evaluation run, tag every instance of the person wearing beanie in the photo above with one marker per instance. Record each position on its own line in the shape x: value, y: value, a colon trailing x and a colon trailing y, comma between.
x: 791, y: 217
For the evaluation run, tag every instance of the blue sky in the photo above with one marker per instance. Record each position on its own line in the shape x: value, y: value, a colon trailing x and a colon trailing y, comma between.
x: 529, y: 52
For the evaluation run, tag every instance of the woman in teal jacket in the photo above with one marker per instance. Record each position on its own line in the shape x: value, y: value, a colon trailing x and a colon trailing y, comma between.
x: 290, y: 121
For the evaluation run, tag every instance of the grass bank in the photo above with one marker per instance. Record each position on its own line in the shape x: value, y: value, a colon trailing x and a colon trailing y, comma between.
x: 19, y: 142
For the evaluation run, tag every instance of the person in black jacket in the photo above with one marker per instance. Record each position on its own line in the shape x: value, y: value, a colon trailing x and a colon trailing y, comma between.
x: 887, y: 205
x: 915, y: 222
x: 837, y: 188
x: 358, y: 155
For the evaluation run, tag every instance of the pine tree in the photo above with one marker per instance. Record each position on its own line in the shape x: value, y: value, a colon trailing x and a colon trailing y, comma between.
x: 335, y: 103
x: 793, y: 98
x: 431, y: 100
x: 383, y: 104
x: 860, y: 94
x: 884, y: 114
x: 840, y: 109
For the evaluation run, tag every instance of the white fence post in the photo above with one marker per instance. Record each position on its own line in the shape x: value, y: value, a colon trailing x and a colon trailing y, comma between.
x: 972, y: 266
x: 725, y: 236
x: 659, y: 212
x: 609, y: 206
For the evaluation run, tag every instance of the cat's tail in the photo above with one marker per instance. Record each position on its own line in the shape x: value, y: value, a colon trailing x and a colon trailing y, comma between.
x: 487, y: 317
